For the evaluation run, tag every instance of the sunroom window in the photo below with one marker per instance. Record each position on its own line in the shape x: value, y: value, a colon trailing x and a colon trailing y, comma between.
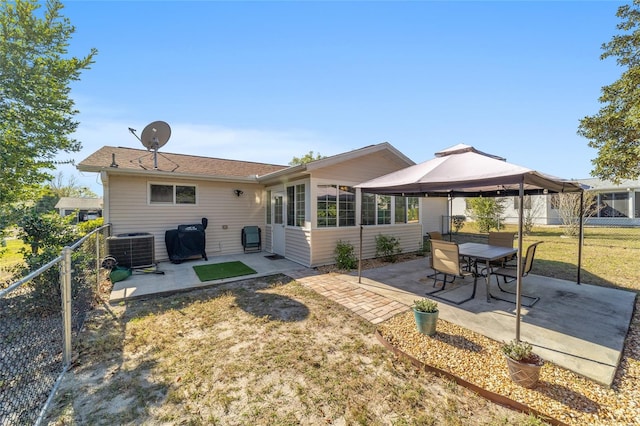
x: 335, y: 206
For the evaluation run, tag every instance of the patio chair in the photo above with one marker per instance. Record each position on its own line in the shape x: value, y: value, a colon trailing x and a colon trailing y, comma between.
x: 446, y: 262
x: 433, y: 235
x: 502, y: 239
x: 251, y: 238
x: 510, y: 274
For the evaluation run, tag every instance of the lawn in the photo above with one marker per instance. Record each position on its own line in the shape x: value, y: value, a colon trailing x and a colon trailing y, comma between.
x: 259, y: 352
x: 10, y: 256
x: 609, y: 255
x: 269, y: 351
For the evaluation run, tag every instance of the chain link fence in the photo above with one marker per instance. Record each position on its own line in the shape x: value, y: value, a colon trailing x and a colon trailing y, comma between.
x: 41, y: 315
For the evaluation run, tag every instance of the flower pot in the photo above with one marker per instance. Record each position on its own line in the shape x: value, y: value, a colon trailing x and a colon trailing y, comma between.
x: 524, y: 374
x: 426, y: 321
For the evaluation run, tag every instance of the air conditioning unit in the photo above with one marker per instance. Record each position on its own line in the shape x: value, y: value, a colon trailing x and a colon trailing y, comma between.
x: 135, y: 250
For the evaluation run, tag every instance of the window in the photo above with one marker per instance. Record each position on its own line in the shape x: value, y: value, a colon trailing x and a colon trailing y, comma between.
x: 346, y: 206
x: 336, y: 206
x: 401, y: 210
x: 613, y: 204
x: 327, y: 205
x: 295, y: 205
x: 376, y: 209
x: 172, y: 194
x: 269, y: 207
x: 526, y: 202
x: 368, y: 210
x: 277, y: 210
x: 384, y: 209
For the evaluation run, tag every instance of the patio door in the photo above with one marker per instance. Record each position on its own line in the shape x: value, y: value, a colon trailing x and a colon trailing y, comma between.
x: 278, y: 223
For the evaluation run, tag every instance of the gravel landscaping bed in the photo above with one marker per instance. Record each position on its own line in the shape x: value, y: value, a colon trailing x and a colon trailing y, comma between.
x: 560, y: 394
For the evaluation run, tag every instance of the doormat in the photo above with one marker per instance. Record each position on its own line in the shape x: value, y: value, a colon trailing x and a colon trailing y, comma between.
x: 218, y: 271
x: 274, y: 257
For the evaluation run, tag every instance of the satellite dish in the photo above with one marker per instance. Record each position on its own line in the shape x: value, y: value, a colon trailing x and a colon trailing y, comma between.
x: 155, y: 136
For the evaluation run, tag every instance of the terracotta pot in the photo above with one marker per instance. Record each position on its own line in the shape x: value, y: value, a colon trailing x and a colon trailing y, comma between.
x: 524, y: 374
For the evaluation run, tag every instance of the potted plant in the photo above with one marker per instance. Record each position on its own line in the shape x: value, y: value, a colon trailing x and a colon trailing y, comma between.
x: 524, y: 365
x: 425, y: 312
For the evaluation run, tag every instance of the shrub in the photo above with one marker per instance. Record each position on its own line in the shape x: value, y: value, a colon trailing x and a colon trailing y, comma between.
x: 345, y: 255
x: 486, y: 211
x: 521, y: 351
x: 425, y: 305
x: 458, y: 222
x: 388, y: 247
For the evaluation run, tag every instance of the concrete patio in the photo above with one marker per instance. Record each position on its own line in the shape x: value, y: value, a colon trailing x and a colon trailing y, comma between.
x: 579, y: 327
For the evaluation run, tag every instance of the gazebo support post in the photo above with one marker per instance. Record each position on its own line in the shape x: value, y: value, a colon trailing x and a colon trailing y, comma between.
x: 519, y: 267
x: 360, y: 259
x: 580, y: 235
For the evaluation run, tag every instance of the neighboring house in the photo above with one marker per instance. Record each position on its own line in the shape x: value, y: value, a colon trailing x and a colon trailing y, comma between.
x: 302, y: 210
x: 616, y: 205
x: 86, y: 208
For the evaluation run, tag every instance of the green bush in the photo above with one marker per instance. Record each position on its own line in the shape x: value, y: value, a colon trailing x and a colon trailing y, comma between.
x: 458, y: 222
x: 345, y: 255
x: 388, y: 247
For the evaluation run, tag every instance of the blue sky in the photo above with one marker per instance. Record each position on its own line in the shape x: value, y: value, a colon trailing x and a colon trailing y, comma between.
x: 266, y: 81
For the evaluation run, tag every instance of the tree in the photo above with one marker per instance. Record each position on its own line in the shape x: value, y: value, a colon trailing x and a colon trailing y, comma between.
x: 615, y: 129
x: 36, y: 113
x: 69, y: 187
x: 486, y: 211
x: 307, y: 158
x: 568, y: 206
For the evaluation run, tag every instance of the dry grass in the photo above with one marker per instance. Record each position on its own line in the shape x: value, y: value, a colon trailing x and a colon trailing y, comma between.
x: 253, y: 352
x: 258, y: 352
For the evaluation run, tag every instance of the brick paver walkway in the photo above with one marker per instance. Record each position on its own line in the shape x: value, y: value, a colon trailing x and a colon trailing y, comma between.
x: 369, y: 305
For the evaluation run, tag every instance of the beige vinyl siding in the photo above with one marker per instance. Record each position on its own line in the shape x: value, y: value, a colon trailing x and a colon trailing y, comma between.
x: 266, y: 239
x: 325, y: 240
x: 297, y: 245
x: 129, y: 211
x: 361, y: 169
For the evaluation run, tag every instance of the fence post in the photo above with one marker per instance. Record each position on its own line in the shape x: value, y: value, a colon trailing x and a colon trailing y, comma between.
x: 65, y: 284
x: 98, y: 261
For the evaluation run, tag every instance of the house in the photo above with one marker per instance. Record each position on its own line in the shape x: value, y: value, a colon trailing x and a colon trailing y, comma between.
x: 303, y: 210
x: 86, y: 208
x: 615, y: 205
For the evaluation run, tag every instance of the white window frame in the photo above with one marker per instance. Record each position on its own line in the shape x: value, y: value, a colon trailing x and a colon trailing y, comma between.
x: 173, y: 202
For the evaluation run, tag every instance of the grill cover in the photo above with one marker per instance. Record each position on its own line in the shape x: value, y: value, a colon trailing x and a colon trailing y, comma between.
x: 185, y: 242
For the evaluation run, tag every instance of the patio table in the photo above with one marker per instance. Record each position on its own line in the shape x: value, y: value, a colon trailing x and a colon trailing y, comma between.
x: 487, y: 253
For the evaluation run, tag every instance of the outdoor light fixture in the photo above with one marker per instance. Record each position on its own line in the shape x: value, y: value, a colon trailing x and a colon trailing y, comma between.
x: 238, y: 192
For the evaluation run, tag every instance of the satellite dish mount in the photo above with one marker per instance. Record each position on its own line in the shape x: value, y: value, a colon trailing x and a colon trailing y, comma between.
x: 155, y: 136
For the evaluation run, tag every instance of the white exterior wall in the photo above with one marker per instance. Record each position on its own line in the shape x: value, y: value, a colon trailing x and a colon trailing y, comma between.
x: 432, y: 211
x: 129, y: 211
x: 541, y: 210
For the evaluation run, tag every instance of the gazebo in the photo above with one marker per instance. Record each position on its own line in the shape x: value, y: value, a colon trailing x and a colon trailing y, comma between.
x: 463, y: 171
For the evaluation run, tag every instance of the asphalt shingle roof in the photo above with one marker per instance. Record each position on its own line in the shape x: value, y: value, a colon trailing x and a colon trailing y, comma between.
x: 139, y: 159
